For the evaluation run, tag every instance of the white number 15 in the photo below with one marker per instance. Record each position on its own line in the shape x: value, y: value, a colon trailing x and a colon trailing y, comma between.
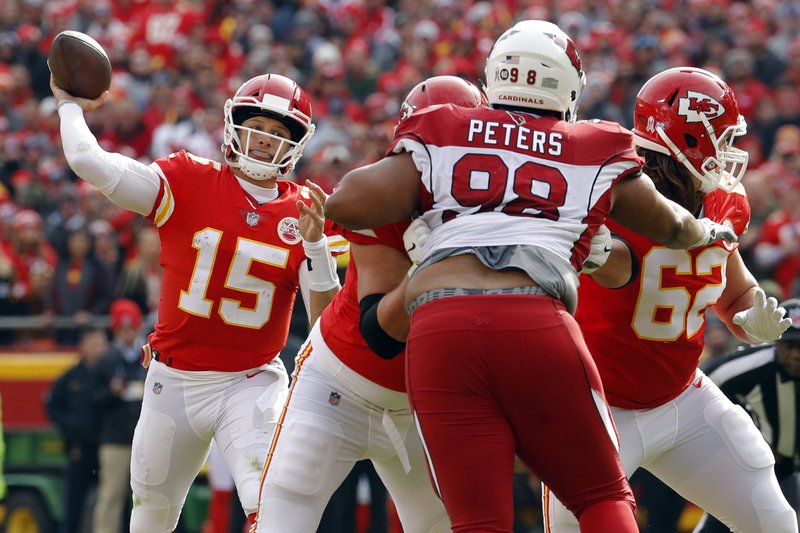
x: 194, y: 301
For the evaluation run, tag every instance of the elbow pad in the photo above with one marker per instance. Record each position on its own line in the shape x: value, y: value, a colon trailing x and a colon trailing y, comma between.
x: 376, y: 337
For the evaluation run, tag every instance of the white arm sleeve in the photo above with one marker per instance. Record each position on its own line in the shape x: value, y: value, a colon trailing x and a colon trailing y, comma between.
x: 125, y: 181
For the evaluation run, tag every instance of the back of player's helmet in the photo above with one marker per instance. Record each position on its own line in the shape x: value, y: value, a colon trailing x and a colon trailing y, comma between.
x: 691, y: 114
x: 441, y: 90
x: 535, y: 65
x: 273, y: 96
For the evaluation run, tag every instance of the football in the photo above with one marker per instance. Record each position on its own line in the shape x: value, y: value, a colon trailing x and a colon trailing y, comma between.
x: 79, y: 64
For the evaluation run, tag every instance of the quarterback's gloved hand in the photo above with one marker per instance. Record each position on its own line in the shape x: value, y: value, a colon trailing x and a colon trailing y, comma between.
x: 414, y: 240
x: 764, y: 322
x: 599, y: 251
x: 713, y: 232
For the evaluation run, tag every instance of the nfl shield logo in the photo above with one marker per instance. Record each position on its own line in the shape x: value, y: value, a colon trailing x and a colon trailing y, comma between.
x: 334, y: 398
x: 252, y: 219
x: 157, y: 388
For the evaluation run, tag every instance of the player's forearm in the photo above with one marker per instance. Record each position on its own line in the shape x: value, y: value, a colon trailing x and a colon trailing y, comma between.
x: 739, y: 294
x: 318, y: 301
x: 686, y: 229
x: 125, y: 181
x: 638, y: 206
x: 392, y: 314
x: 618, y: 270
x: 727, y: 309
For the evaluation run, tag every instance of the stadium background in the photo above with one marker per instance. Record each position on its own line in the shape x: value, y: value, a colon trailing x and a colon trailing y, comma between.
x: 175, y: 63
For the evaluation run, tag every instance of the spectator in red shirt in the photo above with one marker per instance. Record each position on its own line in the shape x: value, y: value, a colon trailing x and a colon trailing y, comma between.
x: 778, y: 247
x: 33, y: 257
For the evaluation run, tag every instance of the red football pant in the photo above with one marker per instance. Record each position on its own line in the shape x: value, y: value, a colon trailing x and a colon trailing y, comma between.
x: 491, y: 377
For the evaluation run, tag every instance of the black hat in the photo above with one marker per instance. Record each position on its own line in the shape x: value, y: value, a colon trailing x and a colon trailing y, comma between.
x: 792, y: 311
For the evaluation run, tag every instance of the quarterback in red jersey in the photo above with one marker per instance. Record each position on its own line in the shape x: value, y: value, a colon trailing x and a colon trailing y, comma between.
x: 513, y: 194
x: 346, y: 403
x: 646, y: 330
x: 236, y: 243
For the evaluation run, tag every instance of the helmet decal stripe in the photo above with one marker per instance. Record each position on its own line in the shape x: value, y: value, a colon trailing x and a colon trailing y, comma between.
x: 277, y: 102
x: 572, y: 54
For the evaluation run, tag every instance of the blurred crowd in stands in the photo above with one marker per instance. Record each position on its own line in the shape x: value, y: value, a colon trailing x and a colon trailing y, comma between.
x: 65, y: 251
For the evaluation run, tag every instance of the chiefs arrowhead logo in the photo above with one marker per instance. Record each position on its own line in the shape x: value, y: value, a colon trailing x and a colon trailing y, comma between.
x: 694, y: 105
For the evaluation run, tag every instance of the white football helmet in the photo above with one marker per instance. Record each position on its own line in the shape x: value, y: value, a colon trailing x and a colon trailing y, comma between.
x: 273, y: 96
x: 536, y: 65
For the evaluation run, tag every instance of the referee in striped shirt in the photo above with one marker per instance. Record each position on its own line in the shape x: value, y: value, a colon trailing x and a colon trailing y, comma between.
x: 765, y: 380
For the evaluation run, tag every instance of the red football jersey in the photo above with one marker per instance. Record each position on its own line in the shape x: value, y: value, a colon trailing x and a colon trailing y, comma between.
x: 230, y: 266
x: 647, y: 337
x: 339, y: 321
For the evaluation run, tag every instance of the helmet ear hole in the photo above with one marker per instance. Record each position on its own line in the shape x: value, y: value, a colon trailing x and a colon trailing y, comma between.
x: 690, y: 140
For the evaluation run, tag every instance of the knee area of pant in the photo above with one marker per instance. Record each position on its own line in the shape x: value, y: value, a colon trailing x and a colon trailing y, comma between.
x: 152, y: 513
x: 775, y: 515
x: 248, y: 495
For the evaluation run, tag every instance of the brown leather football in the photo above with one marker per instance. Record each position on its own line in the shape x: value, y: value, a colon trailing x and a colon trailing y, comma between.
x: 79, y: 64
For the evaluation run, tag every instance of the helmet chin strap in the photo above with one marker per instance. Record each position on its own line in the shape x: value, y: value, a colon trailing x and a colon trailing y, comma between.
x: 707, y: 183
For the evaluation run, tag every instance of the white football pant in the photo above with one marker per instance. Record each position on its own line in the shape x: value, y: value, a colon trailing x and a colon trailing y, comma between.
x: 181, y: 414
x: 709, y: 451
x: 333, y: 418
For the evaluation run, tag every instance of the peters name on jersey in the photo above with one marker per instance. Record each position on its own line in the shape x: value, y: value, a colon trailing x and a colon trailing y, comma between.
x: 515, y: 136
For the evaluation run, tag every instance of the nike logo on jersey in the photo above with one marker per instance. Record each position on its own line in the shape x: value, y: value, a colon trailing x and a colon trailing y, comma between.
x: 254, y: 374
x: 607, y: 249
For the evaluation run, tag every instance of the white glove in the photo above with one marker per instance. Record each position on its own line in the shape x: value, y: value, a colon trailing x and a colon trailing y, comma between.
x: 764, y: 322
x: 414, y: 240
x: 713, y: 232
x: 599, y: 251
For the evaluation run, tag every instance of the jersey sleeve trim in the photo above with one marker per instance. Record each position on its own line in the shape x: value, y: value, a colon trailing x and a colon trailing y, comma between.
x: 337, y: 245
x: 167, y: 205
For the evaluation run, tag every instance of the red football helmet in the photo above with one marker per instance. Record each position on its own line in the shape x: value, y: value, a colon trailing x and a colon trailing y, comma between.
x: 441, y: 90
x: 692, y: 115
x: 273, y: 96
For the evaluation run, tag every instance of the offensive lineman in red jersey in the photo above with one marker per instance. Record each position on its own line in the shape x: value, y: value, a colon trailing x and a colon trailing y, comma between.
x: 496, y: 365
x: 646, y: 332
x: 347, y: 404
x: 236, y: 243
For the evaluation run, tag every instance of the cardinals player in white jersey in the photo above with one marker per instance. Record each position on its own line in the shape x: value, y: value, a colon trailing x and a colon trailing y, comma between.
x: 346, y: 403
x: 496, y: 365
x: 235, y: 244
x: 646, y: 330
